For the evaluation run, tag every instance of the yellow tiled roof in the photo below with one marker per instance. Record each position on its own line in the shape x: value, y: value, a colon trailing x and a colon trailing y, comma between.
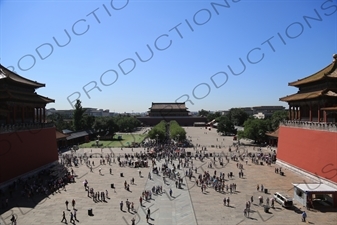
x: 308, y: 95
x: 329, y: 71
x: 17, y: 78
x: 168, y: 106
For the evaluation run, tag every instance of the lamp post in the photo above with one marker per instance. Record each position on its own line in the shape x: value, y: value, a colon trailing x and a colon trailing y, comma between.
x: 157, y: 138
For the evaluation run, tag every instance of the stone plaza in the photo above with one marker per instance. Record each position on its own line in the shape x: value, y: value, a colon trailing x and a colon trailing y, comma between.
x: 188, y: 205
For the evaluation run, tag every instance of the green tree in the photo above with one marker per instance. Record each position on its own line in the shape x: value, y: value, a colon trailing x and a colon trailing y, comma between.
x: 176, y: 131
x: 213, y: 116
x: 105, y: 125
x: 78, y: 116
x: 237, y: 116
x: 110, y: 126
x: 88, y: 122
x: 254, y: 129
x: 58, y: 121
x: 225, y: 125
x: 127, y: 123
x: 158, y: 131
x: 203, y: 113
x: 277, y: 118
x: 99, y: 124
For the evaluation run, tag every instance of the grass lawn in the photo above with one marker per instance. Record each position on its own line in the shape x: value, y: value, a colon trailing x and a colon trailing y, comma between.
x: 126, y: 140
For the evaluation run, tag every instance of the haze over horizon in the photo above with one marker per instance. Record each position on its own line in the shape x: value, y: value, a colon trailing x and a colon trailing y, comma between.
x: 124, y: 55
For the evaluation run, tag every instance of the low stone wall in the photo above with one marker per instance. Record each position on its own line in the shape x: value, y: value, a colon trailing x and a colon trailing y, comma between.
x: 332, y: 127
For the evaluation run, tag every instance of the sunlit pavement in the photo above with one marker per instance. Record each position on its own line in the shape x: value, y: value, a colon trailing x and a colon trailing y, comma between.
x: 186, y: 206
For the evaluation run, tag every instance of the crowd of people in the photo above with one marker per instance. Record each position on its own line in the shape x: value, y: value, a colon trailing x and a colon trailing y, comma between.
x: 168, y: 160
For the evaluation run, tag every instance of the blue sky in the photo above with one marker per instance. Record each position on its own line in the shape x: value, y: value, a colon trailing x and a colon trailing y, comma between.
x: 197, y: 48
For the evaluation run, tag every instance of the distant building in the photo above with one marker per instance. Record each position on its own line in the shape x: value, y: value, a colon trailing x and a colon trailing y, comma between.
x: 259, y: 111
x: 168, y: 109
x: 68, y: 113
x: 259, y: 115
x: 265, y: 110
x: 169, y: 112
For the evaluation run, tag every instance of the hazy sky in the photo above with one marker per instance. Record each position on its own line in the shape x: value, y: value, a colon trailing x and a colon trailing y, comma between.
x: 124, y: 55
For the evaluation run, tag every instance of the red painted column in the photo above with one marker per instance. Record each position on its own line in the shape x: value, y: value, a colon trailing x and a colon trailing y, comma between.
x: 324, y: 115
x: 40, y: 115
x: 44, y: 115
x: 9, y: 115
x: 23, y: 114
x: 310, y: 113
x: 318, y: 114
x: 291, y: 113
x: 14, y: 116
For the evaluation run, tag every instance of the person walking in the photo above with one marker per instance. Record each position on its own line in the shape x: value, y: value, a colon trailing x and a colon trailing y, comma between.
x: 304, y: 216
x: 64, y: 217
x: 147, y: 218
x: 170, y: 192
x: 133, y: 221
x: 141, y: 200
x: 67, y: 204
x: 73, y: 203
x: 71, y: 217
x: 148, y: 211
x: 75, y: 215
x: 121, y: 205
x: 13, y: 219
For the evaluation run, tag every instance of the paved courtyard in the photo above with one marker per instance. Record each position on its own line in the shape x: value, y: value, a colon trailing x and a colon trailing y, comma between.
x: 186, y: 206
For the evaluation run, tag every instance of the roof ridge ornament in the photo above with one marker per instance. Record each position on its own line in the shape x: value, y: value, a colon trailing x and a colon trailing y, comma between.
x: 334, y: 56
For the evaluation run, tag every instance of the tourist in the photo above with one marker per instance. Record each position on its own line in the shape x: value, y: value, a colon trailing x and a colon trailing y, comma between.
x: 121, y: 205
x: 304, y: 216
x: 71, y: 217
x: 13, y: 219
x: 73, y: 203
x: 64, y: 217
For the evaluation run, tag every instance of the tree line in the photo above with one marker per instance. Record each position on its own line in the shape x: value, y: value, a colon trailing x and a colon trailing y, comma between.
x: 103, y: 125
x: 254, y: 129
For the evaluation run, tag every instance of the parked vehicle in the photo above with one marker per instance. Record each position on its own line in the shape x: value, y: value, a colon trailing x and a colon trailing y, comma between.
x: 283, y: 200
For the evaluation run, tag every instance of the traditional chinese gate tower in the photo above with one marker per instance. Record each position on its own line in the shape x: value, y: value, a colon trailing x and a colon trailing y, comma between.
x: 308, y: 142
x: 26, y: 141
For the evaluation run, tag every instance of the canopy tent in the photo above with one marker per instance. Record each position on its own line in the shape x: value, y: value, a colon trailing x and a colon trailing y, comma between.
x: 308, y: 194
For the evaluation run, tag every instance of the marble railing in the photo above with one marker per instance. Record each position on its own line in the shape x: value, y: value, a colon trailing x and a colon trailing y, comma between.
x: 5, y: 128
x: 329, y: 126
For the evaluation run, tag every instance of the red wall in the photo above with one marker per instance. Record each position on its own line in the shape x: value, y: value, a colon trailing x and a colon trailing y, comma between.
x: 21, y: 152
x: 311, y: 150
